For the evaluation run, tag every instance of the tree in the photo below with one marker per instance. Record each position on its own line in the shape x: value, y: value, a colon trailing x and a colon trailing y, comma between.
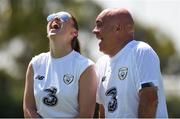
x: 160, y: 42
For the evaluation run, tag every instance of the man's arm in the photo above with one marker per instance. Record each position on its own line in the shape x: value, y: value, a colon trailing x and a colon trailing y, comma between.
x: 101, y: 111
x: 148, y: 102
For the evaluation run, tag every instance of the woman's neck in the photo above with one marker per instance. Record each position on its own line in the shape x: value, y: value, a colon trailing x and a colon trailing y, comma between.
x: 58, y: 50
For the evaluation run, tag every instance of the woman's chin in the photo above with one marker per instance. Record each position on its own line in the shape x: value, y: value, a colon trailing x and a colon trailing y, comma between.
x: 53, y: 32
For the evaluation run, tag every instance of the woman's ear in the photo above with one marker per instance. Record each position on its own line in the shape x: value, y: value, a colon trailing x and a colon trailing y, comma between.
x: 75, y: 33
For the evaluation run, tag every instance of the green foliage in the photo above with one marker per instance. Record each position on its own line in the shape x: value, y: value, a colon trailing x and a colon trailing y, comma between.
x: 10, y: 106
x: 159, y: 41
x: 173, y: 104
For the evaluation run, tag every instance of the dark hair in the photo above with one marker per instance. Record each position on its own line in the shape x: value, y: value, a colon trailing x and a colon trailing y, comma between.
x: 75, y: 42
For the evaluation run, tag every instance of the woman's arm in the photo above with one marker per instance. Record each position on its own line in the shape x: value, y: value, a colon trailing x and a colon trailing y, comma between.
x: 29, y: 105
x: 87, y: 93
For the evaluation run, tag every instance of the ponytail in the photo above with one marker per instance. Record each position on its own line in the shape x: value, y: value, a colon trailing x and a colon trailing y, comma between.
x: 75, y: 42
x: 75, y: 45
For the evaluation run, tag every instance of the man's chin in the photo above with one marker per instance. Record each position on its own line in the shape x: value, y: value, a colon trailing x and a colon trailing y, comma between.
x: 101, y: 50
x: 101, y: 47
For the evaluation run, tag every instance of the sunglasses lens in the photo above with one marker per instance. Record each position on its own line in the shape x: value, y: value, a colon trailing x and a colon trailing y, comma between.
x: 51, y: 17
x: 63, y: 16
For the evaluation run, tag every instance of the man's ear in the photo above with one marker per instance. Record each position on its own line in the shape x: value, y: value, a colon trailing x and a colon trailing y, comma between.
x: 129, y: 29
x: 118, y: 28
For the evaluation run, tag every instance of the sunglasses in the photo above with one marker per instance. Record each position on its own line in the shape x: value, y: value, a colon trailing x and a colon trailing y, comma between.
x: 62, y: 16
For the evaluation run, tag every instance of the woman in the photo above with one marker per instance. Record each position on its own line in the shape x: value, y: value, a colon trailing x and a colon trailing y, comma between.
x: 61, y: 82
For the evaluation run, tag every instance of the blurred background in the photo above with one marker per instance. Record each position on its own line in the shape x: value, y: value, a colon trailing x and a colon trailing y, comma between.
x: 23, y: 35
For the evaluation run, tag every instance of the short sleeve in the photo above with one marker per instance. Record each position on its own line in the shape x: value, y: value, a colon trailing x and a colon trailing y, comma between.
x: 98, y: 100
x: 101, y: 65
x: 147, y: 68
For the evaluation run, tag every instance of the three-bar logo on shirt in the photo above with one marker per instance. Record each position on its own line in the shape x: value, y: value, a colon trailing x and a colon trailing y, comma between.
x: 122, y: 73
x: 68, y: 78
x: 39, y: 77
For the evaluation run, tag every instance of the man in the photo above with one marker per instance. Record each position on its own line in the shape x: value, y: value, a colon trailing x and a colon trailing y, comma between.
x: 130, y: 82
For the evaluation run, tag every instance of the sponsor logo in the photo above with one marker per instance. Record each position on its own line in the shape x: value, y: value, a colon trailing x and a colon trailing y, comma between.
x: 50, y: 99
x: 39, y: 77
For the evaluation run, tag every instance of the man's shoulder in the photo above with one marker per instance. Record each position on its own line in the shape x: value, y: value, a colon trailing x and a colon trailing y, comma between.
x: 103, y: 58
x: 136, y: 46
x: 142, y: 45
x: 143, y: 50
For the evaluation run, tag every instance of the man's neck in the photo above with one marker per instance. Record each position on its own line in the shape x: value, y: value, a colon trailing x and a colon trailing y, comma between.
x: 121, y: 46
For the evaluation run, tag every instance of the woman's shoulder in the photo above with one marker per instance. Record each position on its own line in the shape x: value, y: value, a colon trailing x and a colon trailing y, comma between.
x: 40, y: 57
x: 82, y: 59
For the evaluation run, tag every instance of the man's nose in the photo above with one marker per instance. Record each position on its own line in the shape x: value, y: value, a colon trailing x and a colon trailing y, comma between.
x: 95, y: 30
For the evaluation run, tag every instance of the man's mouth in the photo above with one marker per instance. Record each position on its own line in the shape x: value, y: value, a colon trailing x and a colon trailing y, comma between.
x: 99, y: 37
x: 100, y: 40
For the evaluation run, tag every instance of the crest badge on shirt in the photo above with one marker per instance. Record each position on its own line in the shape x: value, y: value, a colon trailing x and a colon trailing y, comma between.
x: 123, y: 73
x: 68, y: 78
